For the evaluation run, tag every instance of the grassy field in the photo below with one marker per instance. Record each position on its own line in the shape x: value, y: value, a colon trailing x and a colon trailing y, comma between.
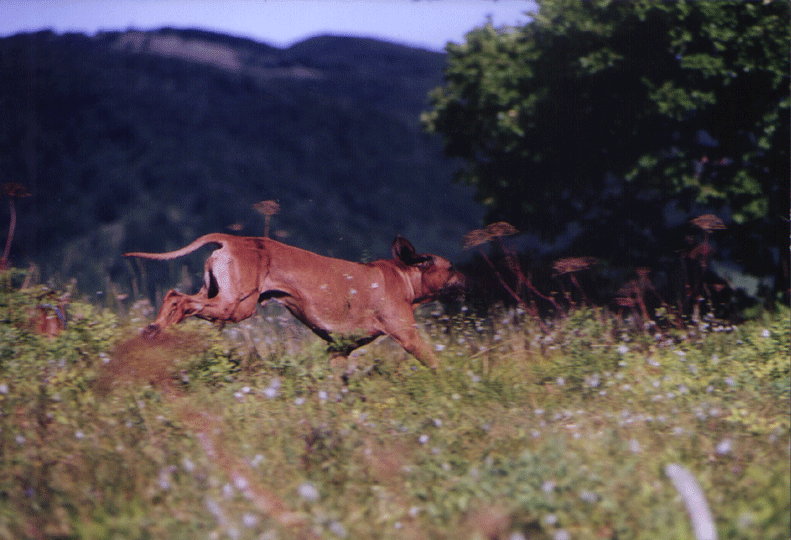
x: 249, y: 433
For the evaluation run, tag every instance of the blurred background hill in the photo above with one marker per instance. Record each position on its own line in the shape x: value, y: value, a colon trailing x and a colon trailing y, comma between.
x: 146, y: 140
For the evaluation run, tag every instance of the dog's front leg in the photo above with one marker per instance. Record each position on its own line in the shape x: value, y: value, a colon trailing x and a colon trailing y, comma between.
x: 409, y: 338
x: 423, y: 352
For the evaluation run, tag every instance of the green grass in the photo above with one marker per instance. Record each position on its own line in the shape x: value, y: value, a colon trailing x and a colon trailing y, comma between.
x: 249, y: 433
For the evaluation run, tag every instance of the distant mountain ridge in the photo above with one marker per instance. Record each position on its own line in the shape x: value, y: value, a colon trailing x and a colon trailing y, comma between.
x: 174, y: 46
x: 144, y: 140
x: 200, y: 50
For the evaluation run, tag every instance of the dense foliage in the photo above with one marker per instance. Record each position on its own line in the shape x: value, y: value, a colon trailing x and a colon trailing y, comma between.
x: 134, y: 141
x: 558, y: 433
x: 621, y: 116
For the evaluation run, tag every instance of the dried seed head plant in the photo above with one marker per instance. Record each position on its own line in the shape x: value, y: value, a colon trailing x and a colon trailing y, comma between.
x: 632, y: 295
x: 570, y: 266
x: 699, y: 257
x: 708, y: 223
x: 268, y: 208
x: 703, y: 251
x: 479, y: 237
x: 496, y: 231
x: 12, y: 190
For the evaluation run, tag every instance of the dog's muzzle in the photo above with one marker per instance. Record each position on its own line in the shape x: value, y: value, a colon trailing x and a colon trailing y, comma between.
x: 456, y: 288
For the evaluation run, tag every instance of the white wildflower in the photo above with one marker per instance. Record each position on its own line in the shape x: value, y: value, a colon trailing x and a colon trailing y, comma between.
x: 164, y: 480
x: 338, y: 529
x: 725, y: 446
x: 561, y: 534
x: 593, y: 380
x: 308, y: 491
x: 215, y: 510
x: 240, y: 482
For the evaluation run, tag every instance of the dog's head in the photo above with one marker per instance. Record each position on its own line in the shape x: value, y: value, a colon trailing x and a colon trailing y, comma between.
x: 438, y: 277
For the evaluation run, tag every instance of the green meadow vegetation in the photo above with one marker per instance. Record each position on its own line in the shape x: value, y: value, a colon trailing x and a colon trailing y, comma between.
x: 553, y: 420
x: 560, y: 432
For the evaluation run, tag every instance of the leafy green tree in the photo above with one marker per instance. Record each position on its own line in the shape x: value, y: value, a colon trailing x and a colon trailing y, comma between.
x: 604, y: 113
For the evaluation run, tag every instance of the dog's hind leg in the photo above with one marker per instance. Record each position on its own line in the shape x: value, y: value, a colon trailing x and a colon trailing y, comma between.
x: 178, y: 306
x: 175, y: 308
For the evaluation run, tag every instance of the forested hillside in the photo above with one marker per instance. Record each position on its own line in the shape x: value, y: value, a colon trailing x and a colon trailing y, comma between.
x: 143, y: 141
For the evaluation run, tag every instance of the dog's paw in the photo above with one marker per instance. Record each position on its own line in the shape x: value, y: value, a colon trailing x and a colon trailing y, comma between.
x: 151, y: 331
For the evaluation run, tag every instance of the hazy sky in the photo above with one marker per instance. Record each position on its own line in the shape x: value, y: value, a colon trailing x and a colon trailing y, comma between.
x: 425, y: 23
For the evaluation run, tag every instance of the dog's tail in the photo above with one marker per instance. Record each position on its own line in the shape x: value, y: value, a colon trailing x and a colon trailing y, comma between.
x: 215, y: 238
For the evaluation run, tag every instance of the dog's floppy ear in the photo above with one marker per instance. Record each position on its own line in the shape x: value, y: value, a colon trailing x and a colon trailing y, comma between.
x: 403, y: 251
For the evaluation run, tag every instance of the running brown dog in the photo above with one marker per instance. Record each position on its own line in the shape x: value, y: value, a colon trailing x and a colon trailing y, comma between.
x: 347, y: 304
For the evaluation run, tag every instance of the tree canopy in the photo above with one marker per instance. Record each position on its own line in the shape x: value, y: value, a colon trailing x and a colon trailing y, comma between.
x: 609, y: 114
